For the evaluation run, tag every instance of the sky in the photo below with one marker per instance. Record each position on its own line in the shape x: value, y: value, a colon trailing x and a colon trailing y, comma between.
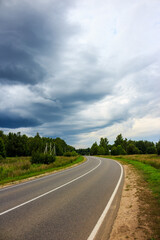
x: 80, y: 70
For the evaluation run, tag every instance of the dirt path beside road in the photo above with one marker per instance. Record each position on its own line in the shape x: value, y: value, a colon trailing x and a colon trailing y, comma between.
x: 133, y: 218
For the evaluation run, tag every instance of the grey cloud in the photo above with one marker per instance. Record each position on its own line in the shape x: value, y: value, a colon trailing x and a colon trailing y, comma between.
x: 63, y: 79
x: 27, y: 36
x: 10, y: 120
x: 17, y: 66
x: 47, y: 112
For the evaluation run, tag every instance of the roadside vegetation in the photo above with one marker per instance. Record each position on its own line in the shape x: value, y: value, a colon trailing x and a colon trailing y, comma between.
x: 148, y: 167
x: 17, y: 168
x: 144, y: 156
x: 40, y: 155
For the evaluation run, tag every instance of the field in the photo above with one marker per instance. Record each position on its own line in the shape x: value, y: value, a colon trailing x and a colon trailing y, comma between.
x: 17, y: 168
x: 149, y: 167
x: 150, y: 159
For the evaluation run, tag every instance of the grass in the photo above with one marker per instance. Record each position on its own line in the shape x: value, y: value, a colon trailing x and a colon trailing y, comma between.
x: 17, y: 168
x: 149, y: 159
x: 148, y: 167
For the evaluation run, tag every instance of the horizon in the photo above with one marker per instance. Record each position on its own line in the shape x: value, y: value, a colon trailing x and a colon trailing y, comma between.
x: 98, y: 141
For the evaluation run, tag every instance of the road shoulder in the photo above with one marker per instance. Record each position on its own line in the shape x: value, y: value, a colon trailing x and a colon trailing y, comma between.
x: 131, y: 222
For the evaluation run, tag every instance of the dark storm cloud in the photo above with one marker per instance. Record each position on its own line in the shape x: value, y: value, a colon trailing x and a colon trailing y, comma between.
x: 47, y: 112
x: 74, y: 99
x: 10, y: 120
x: 64, y: 73
x: 26, y: 35
x: 17, y: 66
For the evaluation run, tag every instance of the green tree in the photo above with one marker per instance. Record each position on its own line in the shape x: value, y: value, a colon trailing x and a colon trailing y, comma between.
x: 119, y: 140
x: 158, y: 147
x: 114, y: 151
x: 94, y: 149
x: 104, y: 144
x: 62, y: 147
x: 2, y: 148
x: 141, y: 146
x: 132, y: 149
x: 101, y: 150
x: 120, y: 150
x: 83, y: 151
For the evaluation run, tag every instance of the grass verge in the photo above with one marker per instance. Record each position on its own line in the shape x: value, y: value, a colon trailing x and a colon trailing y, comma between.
x: 18, y: 168
x: 145, y: 165
x: 149, y: 185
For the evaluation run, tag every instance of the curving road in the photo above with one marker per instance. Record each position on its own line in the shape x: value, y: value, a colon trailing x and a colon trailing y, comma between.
x: 73, y: 204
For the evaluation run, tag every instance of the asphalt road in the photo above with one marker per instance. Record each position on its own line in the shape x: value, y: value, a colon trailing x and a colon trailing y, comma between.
x: 63, y: 206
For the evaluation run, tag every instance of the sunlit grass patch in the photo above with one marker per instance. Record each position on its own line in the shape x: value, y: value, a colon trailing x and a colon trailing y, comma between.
x: 149, y: 165
x: 16, y: 168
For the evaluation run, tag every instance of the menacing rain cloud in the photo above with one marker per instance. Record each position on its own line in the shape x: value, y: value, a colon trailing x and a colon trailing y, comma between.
x: 80, y: 70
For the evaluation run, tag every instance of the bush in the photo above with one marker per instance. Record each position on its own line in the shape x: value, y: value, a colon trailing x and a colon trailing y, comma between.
x: 70, y: 154
x: 42, y: 158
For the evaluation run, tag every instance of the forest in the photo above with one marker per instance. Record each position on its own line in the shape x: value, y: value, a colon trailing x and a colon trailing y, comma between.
x: 121, y: 146
x: 15, y: 144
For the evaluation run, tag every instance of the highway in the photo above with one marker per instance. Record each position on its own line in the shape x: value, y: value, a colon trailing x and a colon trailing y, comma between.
x: 74, y: 204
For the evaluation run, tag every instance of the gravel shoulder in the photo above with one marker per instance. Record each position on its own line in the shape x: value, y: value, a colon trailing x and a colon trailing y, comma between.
x: 133, y: 218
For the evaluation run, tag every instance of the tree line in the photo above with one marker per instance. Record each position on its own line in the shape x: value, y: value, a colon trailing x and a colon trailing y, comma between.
x: 122, y: 146
x: 15, y: 144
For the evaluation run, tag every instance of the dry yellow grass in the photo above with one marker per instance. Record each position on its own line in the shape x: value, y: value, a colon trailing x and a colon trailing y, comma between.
x: 15, y: 168
x: 151, y: 159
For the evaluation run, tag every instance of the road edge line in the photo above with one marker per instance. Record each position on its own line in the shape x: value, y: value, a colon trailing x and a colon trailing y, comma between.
x: 105, y: 211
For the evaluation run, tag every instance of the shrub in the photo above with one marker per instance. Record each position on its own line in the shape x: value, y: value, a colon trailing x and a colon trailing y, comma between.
x: 74, y: 153
x: 70, y: 154
x: 42, y: 158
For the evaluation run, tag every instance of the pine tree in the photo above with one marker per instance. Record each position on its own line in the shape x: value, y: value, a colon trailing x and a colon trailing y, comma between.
x: 2, y: 149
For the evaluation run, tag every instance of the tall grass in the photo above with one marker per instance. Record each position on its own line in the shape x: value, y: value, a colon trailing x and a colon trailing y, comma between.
x: 16, y: 168
x: 150, y: 159
x: 149, y: 165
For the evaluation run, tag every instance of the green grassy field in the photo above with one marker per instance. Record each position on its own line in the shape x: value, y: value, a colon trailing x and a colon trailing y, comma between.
x: 148, y: 165
x: 17, y: 168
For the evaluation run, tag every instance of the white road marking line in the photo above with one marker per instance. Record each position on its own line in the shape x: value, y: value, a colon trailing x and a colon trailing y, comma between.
x: 43, y: 177
x: 102, y: 217
x: 53, y: 190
